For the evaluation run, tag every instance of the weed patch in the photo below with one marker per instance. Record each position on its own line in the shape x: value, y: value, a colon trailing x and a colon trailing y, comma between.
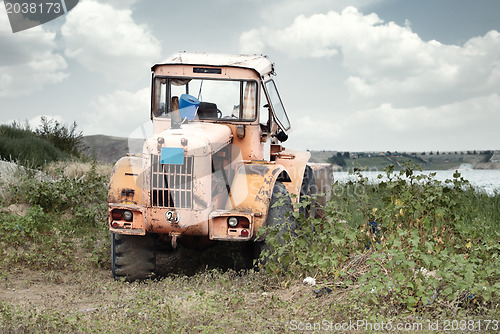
x: 65, y: 214
x: 406, y: 244
x: 406, y: 249
x: 52, y: 141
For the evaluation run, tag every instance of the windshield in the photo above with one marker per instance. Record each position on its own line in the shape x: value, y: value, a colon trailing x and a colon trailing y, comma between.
x: 205, y: 98
x: 277, y: 106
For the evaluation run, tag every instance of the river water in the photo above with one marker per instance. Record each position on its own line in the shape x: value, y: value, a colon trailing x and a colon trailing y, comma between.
x: 485, y: 180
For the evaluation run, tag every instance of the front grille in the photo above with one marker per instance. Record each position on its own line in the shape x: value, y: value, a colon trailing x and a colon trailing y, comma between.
x: 172, y: 185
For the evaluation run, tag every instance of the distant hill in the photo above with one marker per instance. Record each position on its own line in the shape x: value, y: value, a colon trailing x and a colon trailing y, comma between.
x: 427, y: 160
x: 107, y: 149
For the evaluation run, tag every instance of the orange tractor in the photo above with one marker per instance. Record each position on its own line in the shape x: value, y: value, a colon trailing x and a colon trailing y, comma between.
x: 213, y: 167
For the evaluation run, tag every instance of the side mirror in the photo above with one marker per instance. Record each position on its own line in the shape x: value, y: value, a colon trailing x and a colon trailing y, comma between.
x: 281, y: 136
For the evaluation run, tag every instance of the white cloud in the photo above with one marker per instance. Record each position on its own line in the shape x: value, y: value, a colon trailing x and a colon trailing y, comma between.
x: 469, y: 124
x: 122, y: 4
x: 388, y: 63
x: 279, y: 12
x: 118, y: 113
x: 251, y: 43
x: 28, y: 61
x: 107, y: 40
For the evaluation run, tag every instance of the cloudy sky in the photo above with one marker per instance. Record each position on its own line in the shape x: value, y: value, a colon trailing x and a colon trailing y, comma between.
x: 354, y: 75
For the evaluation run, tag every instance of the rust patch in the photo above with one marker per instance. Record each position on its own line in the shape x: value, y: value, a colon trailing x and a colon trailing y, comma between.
x: 127, y: 196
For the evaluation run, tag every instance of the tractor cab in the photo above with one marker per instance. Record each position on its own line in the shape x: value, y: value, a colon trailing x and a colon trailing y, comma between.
x: 237, y: 90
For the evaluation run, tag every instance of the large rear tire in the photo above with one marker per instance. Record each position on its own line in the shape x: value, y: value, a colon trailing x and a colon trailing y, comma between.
x: 279, y: 218
x: 133, y: 257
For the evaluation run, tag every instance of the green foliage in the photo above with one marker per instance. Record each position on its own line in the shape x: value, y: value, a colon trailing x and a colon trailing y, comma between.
x: 65, y: 138
x: 487, y: 155
x: 407, y: 243
x: 337, y: 160
x: 50, y: 142
x: 423, y: 245
x: 33, y: 239
x: 15, y: 230
x: 60, y: 210
x: 317, y: 247
x: 84, y: 197
x: 26, y: 148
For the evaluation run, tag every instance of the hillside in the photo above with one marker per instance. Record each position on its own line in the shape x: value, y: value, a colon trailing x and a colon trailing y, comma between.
x: 426, y: 160
x: 108, y: 149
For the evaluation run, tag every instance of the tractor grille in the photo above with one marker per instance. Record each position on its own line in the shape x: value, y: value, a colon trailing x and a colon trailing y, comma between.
x: 172, y: 185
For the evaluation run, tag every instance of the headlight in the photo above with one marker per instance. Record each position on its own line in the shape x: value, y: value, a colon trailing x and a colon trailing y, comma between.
x: 232, y: 221
x: 127, y: 215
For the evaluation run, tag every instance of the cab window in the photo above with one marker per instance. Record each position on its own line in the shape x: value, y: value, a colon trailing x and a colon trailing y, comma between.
x: 276, y: 105
x: 233, y: 100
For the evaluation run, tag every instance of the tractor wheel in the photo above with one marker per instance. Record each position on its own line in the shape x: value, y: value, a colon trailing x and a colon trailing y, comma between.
x: 276, y: 217
x: 308, y: 189
x: 132, y: 256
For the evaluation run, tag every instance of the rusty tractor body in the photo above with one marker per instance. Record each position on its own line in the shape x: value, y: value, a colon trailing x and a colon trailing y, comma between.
x: 209, y: 171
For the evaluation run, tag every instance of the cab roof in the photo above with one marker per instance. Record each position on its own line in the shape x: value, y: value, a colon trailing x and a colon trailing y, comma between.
x: 259, y: 63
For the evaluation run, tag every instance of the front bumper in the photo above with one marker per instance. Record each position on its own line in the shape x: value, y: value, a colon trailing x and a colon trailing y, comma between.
x: 213, y: 224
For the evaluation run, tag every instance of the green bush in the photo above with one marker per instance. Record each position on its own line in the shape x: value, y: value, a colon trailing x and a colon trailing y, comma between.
x: 337, y: 160
x: 25, y: 147
x: 64, y: 213
x: 67, y: 139
x: 50, y: 142
x: 16, y: 230
x: 406, y: 243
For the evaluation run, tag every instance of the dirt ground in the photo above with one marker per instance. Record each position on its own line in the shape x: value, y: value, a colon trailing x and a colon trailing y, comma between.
x: 86, y: 291
x: 233, y: 301
x: 186, y: 271
x: 62, y: 291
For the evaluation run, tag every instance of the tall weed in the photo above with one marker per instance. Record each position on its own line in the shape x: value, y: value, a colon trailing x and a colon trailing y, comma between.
x: 52, y: 141
x: 26, y: 148
x: 64, y: 213
x: 65, y: 138
x: 406, y: 243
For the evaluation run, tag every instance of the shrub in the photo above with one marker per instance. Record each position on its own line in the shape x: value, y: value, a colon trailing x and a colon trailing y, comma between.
x: 406, y: 243
x: 65, y: 138
x: 24, y: 147
x: 50, y: 142
x: 337, y: 160
x: 65, y: 213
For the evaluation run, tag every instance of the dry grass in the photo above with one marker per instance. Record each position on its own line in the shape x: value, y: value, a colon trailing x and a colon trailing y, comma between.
x: 207, y: 302
x: 74, y: 169
x: 195, y: 292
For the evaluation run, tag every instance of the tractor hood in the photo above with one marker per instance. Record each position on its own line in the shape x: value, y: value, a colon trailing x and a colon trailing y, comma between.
x: 195, y: 139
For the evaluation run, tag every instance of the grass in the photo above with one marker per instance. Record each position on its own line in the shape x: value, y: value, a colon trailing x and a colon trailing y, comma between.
x: 208, y: 302
x: 27, y: 148
x: 410, y: 245
x: 55, y: 270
